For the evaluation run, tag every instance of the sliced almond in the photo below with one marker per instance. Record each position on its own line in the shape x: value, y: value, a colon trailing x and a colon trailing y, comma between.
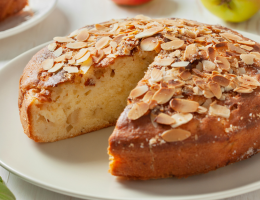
x: 175, y: 135
x: 175, y: 44
x: 175, y: 83
x: 248, y: 42
x: 236, y: 49
x: 181, y: 64
x: 63, y: 39
x: 248, y: 80
x: 243, y: 90
x: 156, y: 75
x: 176, y: 53
x: 148, y: 96
x: 103, y: 42
x: 215, y: 89
x: 84, y: 58
x: 185, y: 75
x: 47, y: 64
x: 181, y: 118
x: 81, y: 53
x: 208, y: 65
x: 138, y: 91
x: 107, y: 50
x: 100, y: 27
x: 170, y: 36
x: 164, y: 119
x: 257, y: 55
x: 148, y: 32
x: 183, y: 105
x: 149, y: 44
x: 212, y: 53
x: 246, y: 47
x: 68, y: 55
x: 71, y: 69
x: 163, y: 95
x: 223, y: 63
x: 197, y: 90
x: 56, y: 67
x: 221, y: 80
x: 83, y: 35
x: 76, y: 45
x: 190, y: 52
x: 138, y: 110
x: 84, y: 69
x: 218, y: 110
x: 164, y: 61
x: 52, y: 46
x: 118, y: 38
x: 207, y: 103
x: 248, y: 58
x: 99, y: 56
x: 115, y: 27
x: 152, y: 104
x: 202, y: 110
x: 74, y: 33
x: 72, y: 61
x: 231, y: 36
x: 58, y: 52
x: 61, y: 58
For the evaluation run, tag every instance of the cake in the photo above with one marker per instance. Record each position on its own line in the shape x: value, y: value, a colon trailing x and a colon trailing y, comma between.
x: 11, y: 7
x: 191, y: 91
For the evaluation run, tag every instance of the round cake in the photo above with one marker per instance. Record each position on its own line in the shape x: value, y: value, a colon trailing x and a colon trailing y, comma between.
x: 191, y: 89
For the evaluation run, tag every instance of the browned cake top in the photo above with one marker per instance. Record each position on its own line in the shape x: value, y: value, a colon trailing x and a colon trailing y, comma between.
x: 197, y: 68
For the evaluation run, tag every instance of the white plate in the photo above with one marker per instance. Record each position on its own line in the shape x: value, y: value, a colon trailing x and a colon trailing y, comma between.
x: 23, y: 21
x: 79, y: 166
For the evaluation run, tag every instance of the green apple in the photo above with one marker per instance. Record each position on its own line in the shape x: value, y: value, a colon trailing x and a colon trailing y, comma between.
x: 232, y: 10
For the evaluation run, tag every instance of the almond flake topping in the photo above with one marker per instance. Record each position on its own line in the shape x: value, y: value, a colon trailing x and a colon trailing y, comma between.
x: 164, y: 61
x: 246, y: 47
x: 230, y: 36
x: 60, y: 58
x: 174, y: 84
x: 181, y: 118
x: 164, y: 119
x: 71, y: 69
x: 47, y: 64
x: 175, y: 135
x: 212, y: 53
x: 221, y: 80
x: 163, y: 95
x: 181, y: 64
x: 218, y: 110
x: 56, y: 67
x: 156, y: 75
x: 83, y: 35
x: 175, y: 44
x: 248, y: 42
x: 52, y: 46
x: 183, y: 105
x: 63, y: 39
x: 99, y: 56
x: 243, y: 90
x: 77, y: 45
x: 138, y: 91
x: 208, y: 65
x: 103, y: 42
x: 84, y: 58
x: 215, y: 89
x: 58, y: 52
x: 223, y: 63
x: 81, y: 53
x: 202, y: 110
x: 148, y: 96
x: 149, y: 44
x: 115, y: 27
x: 138, y: 110
x: 190, y: 52
x: 148, y: 32
x: 248, y: 58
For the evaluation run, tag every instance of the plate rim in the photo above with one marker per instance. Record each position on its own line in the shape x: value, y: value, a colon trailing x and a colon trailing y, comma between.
x: 22, y: 27
x: 216, y: 195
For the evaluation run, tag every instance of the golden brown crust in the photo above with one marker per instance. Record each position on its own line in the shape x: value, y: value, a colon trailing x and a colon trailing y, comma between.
x: 214, y: 143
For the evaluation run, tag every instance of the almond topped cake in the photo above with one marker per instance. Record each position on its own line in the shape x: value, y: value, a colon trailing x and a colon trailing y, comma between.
x: 11, y: 7
x: 191, y: 91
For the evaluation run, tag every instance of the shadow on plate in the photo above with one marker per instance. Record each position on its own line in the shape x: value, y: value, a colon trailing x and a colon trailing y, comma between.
x: 91, y: 147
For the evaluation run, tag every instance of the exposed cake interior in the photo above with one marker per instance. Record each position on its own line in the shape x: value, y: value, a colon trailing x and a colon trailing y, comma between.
x: 93, y: 101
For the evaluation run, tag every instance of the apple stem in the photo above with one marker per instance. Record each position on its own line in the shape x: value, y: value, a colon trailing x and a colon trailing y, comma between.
x: 225, y: 1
